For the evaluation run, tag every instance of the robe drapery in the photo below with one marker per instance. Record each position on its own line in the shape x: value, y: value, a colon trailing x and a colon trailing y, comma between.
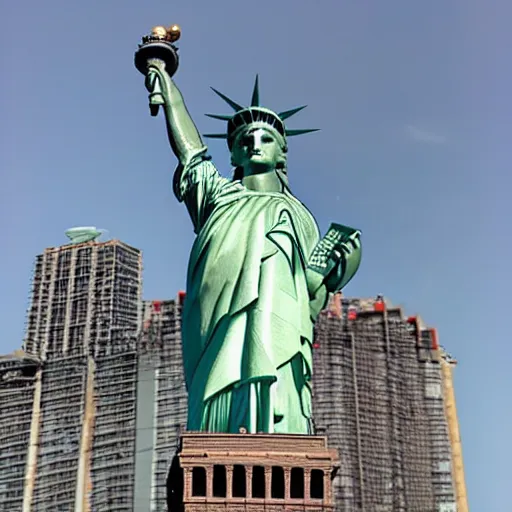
x: 246, y: 323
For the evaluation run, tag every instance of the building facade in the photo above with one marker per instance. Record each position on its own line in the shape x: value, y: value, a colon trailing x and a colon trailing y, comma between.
x: 20, y: 387
x: 82, y: 330
x: 379, y: 397
x: 162, y: 401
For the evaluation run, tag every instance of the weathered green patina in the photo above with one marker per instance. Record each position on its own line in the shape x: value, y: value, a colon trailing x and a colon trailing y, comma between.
x: 258, y: 273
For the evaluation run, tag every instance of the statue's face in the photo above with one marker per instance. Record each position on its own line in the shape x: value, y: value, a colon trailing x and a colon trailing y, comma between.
x: 257, y: 151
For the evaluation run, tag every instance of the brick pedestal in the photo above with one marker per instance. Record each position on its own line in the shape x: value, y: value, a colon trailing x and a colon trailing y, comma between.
x: 249, y: 472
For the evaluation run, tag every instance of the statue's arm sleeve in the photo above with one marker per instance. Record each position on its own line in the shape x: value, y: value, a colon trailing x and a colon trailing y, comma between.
x: 198, y: 184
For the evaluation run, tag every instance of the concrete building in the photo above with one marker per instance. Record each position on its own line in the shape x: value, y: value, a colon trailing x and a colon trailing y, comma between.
x: 20, y: 388
x: 381, y: 398
x: 162, y: 401
x: 77, y: 376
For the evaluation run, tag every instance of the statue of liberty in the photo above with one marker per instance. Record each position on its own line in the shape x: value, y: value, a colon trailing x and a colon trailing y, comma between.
x: 258, y: 273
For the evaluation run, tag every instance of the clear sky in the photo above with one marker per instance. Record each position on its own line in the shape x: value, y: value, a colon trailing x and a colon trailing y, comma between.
x: 413, y: 99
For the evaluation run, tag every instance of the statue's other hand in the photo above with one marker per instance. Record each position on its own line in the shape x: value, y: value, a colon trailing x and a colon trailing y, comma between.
x: 346, y: 258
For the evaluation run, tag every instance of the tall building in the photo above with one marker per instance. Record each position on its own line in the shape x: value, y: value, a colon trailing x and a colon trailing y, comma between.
x: 83, y: 324
x: 92, y: 408
x: 380, y: 397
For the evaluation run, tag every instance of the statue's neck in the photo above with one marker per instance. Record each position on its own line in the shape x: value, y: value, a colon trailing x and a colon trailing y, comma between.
x: 263, y: 182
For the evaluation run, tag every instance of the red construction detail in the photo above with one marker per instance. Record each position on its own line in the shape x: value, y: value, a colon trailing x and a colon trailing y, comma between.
x: 352, y: 314
x: 413, y: 320
x: 181, y: 297
x: 435, y: 341
x: 379, y: 306
x: 316, y: 345
x: 157, y: 305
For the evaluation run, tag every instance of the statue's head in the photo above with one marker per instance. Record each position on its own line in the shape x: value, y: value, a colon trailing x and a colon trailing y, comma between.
x: 256, y: 136
x: 257, y: 146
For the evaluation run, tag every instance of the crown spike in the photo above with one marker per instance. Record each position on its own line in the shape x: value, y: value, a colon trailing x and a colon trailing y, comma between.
x: 289, y: 113
x: 255, y: 100
x: 231, y: 103
x: 221, y: 117
x: 293, y: 133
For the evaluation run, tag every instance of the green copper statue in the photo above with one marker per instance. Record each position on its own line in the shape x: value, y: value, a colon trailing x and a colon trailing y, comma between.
x: 258, y: 275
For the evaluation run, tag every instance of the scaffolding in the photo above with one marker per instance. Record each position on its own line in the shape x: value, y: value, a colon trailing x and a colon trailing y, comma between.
x: 78, y: 418
x: 19, y: 376
x: 113, y: 440
x: 161, y: 348
x: 85, y: 300
x: 430, y: 359
x: 60, y: 428
x: 377, y: 398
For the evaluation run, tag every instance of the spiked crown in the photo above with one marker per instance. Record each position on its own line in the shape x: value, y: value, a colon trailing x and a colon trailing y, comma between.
x: 254, y: 114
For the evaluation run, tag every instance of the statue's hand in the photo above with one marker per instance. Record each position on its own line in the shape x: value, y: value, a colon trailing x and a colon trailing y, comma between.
x: 154, y: 86
x: 345, y: 260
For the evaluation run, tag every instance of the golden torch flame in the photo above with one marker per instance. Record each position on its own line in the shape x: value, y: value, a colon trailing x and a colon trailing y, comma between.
x: 173, y: 33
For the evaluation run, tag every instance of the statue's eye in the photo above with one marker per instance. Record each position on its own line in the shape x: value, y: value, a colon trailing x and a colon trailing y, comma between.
x: 267, y: 139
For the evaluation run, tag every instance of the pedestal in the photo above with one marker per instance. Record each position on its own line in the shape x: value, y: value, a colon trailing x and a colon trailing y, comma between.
x: 252, y: 472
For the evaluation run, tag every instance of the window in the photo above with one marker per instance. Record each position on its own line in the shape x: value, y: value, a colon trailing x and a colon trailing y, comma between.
x: 219, y: 481
x: 198, y: 482
x: 258, y: 482
x: 297, y: 483
x: 239, y: 490
x: 277, y: 482
x: 316, y: 490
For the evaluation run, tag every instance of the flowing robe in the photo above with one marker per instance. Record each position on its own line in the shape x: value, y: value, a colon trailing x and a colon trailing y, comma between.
x: 246, y: 325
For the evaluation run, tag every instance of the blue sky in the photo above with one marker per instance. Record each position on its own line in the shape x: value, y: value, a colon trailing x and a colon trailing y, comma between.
x: 413, y: 99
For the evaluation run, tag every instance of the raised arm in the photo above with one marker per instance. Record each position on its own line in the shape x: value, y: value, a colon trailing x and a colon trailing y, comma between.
x: 196, y: 180
x: 184, y: 138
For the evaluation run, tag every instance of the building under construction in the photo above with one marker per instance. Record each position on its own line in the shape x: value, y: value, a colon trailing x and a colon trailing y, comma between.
x: 72, y: 390
x: 92, y: 408
x: 380, y: 397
